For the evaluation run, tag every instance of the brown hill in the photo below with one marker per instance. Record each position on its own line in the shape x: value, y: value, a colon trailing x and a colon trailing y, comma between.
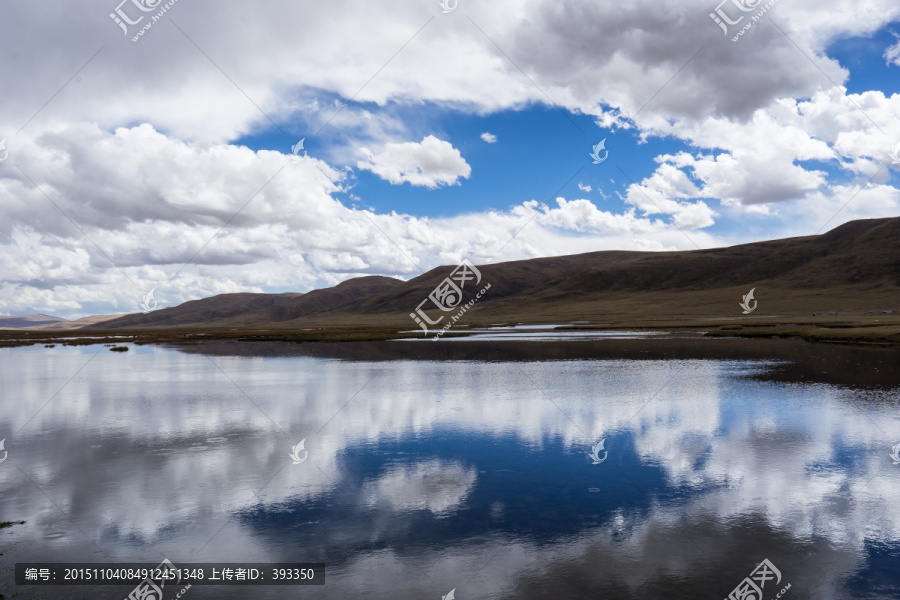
x: 24, y: 321
x: 76, y: 324
x: 854, y: 268
x: 238, y: 310
x: 194, y: 312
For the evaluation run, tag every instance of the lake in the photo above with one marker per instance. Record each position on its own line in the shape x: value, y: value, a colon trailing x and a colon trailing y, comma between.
x: 474, y: 466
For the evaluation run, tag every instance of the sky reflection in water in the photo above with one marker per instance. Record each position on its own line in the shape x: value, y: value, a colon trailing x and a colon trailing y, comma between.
x: 424, y: 476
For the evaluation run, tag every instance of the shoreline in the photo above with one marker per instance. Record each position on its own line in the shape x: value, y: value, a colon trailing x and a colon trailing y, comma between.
x: 882, y: 330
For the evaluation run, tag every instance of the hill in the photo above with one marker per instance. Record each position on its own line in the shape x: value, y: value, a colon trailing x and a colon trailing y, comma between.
x: 853, y: 269
x: 23, y: 321
x: 48, y: 323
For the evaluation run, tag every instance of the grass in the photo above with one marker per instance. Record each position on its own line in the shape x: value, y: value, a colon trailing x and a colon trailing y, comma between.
x: 862, y: 329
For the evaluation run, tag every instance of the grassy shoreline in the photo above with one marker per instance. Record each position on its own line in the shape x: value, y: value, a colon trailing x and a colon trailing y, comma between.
x: 845, y: 329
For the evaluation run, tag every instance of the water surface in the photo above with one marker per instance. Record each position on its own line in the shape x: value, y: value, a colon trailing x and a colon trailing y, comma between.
x: 461, y: 465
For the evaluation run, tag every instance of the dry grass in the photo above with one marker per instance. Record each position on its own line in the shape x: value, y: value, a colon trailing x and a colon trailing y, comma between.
x: 863, y: 329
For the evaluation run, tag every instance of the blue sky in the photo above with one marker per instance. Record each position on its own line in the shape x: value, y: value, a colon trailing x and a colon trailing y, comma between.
x: 542, y: 152
x: 538, y: 150
x: 165, y: 164
x: 863, y: 57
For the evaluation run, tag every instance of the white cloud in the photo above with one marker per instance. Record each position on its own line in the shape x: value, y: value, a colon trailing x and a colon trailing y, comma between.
x: 430, y: 163
x: 150, y: 202
x: 892, y: 54
x: 668, y: 191
x: 490, y: 138
x: 692, y: 436
x: 152, y: 195
x: 584, y: 187
x: 758, y: 168
x: 149, y: 206
x: 438, y: 486
x: 583, y: 56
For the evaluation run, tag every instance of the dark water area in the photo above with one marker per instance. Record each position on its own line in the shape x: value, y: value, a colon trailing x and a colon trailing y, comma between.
x: 640, y: 467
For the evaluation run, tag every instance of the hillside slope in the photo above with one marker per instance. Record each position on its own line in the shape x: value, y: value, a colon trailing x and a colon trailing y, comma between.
x: 853, y: 268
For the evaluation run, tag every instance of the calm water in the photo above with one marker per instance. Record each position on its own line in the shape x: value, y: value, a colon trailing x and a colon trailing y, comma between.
x: 427, y: 474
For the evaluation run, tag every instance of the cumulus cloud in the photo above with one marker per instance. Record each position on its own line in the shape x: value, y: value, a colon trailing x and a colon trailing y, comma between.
x: 892, y: 54
x: 115, y: 214
x: 584, y: 187
x: 667, y: 192
x: 765, y: 161
x: 138, y: 176
x: 430, y: 163
x: 692, y: 435
x: 194, y: 219
x: 436, y: 485
x: 490, y: 138
x: 583, y: 55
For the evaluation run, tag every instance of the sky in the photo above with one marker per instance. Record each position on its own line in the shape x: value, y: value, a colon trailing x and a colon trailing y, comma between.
x: 195, y: 148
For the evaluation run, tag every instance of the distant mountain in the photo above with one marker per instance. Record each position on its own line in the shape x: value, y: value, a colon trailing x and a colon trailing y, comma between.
x: 853, y: 268
x: 48, y: 323
x: 19, y: 321
x: 75, y: 324
x: 239, y: 310
x: 213, y: 309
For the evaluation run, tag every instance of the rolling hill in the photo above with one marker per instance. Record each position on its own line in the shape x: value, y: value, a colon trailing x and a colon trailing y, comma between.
x: 852, y: 269
x: 48, y: 323
x: 23, y: 321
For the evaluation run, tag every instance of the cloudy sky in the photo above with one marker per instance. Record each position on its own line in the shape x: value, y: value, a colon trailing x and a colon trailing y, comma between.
x: 157, y: 145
